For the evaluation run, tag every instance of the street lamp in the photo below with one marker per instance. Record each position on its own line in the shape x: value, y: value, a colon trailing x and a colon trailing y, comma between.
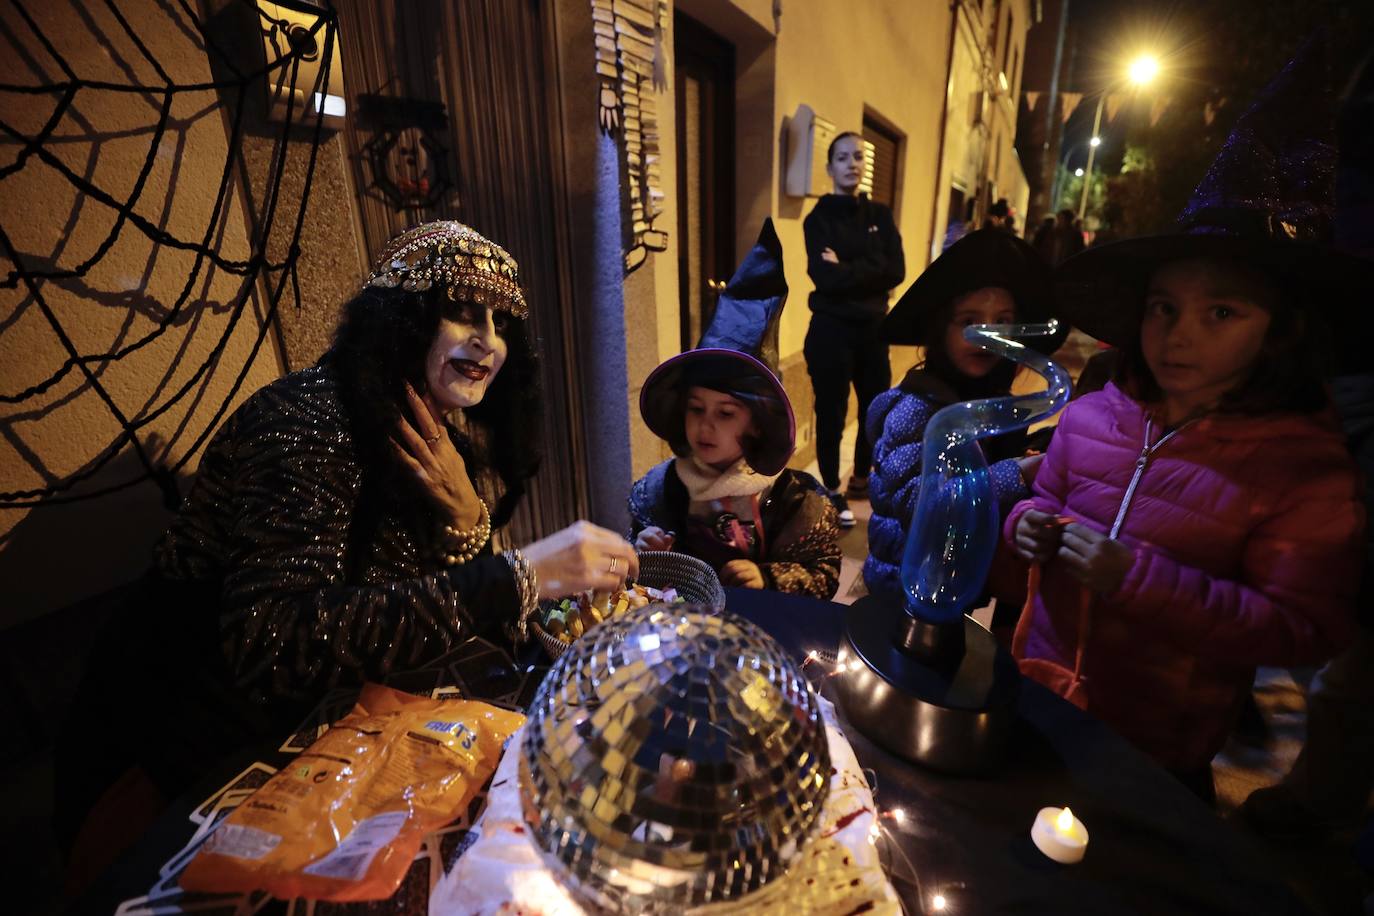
x: 1078, y: 172
x: 1141, y: 71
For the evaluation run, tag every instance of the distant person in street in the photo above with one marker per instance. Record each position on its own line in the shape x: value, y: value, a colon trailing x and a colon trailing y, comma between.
x: 997, y: 215
x: 1059, y: 240
x: 1042, y: 235
x: 959, y: 228
x: 854, y: 256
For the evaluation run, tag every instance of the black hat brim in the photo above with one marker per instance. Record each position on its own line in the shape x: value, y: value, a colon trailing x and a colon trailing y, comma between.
x: 661, y: 400
x: 1101, y: 291
x: 981, y: 259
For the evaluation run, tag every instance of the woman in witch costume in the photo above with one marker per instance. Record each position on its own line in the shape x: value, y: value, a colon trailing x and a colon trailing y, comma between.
x: 728, y: 499
x: 339, y: 530
x: 987, y: 277
x: 1216, y: 517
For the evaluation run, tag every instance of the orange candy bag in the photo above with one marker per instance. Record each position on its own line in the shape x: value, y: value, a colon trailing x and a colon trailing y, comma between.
x: 345, y: 819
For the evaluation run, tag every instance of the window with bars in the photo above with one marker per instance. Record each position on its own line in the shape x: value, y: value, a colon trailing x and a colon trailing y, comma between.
x: 882, y: 147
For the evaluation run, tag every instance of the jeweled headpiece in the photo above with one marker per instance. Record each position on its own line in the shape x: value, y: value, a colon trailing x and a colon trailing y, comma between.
x: 456, y: 258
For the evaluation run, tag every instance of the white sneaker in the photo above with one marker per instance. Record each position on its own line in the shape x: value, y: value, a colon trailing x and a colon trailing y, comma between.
x: 842, y: 507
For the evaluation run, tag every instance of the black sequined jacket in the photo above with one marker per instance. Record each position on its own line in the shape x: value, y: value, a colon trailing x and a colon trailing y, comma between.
x: 803, y: 530
x: 310, y: 591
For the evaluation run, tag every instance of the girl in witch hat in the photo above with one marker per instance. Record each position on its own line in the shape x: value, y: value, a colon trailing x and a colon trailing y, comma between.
x: 1216, y: 517
x: 987, y: 277
x: 728, y: 498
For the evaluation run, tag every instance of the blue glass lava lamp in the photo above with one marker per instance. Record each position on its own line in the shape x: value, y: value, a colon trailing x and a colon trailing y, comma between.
x: 921, y: 677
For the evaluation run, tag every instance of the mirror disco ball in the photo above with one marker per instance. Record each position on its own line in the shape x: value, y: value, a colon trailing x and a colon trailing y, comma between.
x: 673, y: 757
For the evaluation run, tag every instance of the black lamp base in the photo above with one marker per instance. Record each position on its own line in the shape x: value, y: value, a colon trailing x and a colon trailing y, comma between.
x: 942, y: 695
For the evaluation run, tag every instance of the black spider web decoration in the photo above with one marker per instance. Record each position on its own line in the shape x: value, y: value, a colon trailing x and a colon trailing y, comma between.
x: 279, y: 276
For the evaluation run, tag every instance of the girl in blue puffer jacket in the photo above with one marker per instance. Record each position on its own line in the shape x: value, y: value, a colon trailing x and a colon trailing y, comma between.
x: 987, y: 277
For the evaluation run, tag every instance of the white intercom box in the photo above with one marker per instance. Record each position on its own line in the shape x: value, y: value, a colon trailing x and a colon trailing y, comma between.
x: 808, y: 138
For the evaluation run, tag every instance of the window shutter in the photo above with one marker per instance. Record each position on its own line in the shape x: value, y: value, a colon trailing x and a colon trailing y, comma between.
x: 880, y: 164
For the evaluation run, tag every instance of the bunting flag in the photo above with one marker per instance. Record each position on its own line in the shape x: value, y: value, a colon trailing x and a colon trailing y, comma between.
x: 1157, y: 109
x: 1032, y: 100
x: 1071, y: 100
x: 1114, y: 105
x: 1210, y: 110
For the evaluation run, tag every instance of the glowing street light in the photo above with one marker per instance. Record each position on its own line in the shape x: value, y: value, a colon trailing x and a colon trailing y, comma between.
x: 1078, y: 172
x: 1141, y: 71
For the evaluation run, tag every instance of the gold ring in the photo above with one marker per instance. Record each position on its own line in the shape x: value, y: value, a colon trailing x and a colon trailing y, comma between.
x: 434, y: 438
x: 615, y: 565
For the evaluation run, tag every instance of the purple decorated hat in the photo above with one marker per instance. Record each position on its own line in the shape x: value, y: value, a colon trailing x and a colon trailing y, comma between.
x: 1268, y: 199
x: 727, y: 360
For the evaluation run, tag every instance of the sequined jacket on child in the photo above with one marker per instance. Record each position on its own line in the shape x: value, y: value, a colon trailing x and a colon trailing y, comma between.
x: 802, y: 550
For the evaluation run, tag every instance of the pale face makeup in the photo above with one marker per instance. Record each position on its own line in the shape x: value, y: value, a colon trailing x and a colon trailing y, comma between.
x: 467, y: 352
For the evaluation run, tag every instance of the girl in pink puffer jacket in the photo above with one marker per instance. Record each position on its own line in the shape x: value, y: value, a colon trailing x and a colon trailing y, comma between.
x: 1205, y: 506
x: 1215, y: 518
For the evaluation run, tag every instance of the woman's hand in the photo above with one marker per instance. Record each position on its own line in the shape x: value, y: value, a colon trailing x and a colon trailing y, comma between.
x: 654, y: 538
x: 425, y: 448
x: 1094, y: 559
x: 1037, y: 536
x: 741, y: 574
x: 579, y: 557
x: 828, y: 255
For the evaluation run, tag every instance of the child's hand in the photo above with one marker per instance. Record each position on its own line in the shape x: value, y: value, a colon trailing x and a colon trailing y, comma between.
x: 742, y: 574
x: 1094, y: 559
x: 1029, y: 465
x: 654, y: 538
x: 1037, y: 536
x: 828, y: 254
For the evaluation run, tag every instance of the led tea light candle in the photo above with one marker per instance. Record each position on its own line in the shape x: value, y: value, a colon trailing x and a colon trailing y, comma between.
x: 1060, y: 835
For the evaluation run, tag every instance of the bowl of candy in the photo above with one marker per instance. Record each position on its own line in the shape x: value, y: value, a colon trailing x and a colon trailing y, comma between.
x: 664, y: 577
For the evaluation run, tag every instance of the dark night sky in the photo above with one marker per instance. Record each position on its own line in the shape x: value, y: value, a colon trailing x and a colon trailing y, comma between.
x: 1198, y: 50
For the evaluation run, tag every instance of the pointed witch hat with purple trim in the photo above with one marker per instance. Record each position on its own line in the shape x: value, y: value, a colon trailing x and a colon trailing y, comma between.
x: 727, y: 360
x: 1268, y: 199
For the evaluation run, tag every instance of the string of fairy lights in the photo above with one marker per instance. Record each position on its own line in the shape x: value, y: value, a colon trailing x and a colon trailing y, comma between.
x: 880, y: 835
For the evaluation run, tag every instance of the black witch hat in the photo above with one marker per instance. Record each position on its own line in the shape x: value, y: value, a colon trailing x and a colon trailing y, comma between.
x: 987, y: 257
x: 727, y: 360
x: 1268, y: 199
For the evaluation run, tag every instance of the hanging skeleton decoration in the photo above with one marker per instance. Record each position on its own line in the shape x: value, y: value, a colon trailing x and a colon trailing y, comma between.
x: 631, y: 62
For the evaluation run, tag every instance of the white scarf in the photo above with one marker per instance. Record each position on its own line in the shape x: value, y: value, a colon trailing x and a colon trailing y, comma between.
x: 705, y: 484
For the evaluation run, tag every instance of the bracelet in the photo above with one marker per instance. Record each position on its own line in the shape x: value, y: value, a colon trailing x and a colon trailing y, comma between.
x: 462, y: 546
x: 527, y: 590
